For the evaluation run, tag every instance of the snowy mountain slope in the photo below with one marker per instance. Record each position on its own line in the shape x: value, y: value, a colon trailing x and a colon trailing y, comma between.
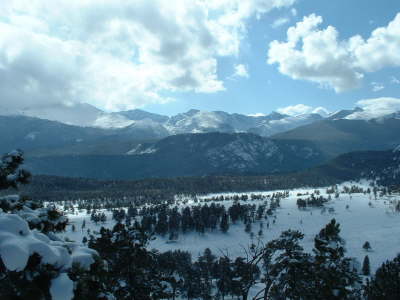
x: 186, y: 155
x: 391, y: 173
x: 339, y: 136
x: 145, y: 128
x: 382, y: 166
x: 138, y: 115
x: 344, y: 113
x: 232, y: 153
x: 193, y: 121
x: 79, y: 114
x: 270, y: 127
x: 38, y: 137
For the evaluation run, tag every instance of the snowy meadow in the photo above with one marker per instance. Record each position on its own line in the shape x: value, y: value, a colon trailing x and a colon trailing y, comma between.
x: 363, y: 216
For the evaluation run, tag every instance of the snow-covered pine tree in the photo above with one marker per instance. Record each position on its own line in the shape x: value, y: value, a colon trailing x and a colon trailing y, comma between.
x: 288, y: 268
x: 10, y: 172
x: 132, y: 269
x: 336, y: 276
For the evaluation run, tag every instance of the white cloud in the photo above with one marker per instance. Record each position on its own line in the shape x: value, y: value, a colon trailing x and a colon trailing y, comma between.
x: 257, y: 115
x: 321, y: 111
x: 300, y: 109
x: 376, y: 86
x: 293, y: 11
x: 394, y: 80
x: 117, y: 54
x: 280, y: 22
x: 241, y: 71
x: 317, y: 55
x: 375, y: 108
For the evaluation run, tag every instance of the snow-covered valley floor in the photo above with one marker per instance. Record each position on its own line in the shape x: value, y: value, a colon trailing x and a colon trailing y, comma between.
x: 362, y: 218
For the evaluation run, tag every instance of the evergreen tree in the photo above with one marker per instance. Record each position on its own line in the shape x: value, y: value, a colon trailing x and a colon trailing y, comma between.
x: 288, y: 270
x: 10, y: 172
x: 206, y: 268
x: 367, y: 246
x: 385, y: 284
x: 245, y: 276
x: 335, y: 275
x: 224, y: 275
x: 247, y: 227
x: 224, y: 225
x: 132, y: 269
x: 162, y: 222
x: 83, y: 224
x: 173, y: 266
x: 366, y: 266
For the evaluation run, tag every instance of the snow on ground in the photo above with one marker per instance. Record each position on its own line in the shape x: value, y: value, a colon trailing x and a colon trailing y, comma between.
x: 362, y: 218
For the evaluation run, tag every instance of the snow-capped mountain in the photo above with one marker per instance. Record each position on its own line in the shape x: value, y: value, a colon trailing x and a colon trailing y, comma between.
x: 283, y: 123
x: 79, y: 114
x: 142, y: 125
x: 196, y: 121
x: 138, y: 115
x: 145, y: 128
x: 193, y: 121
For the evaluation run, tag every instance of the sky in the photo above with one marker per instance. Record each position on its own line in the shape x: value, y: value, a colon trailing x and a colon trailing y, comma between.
x: 243, y: 56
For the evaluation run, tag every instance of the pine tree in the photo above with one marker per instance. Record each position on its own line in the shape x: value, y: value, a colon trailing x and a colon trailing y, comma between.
x: 245, y: 276
x: 366, y: 266
x: 83, y: 224
x: 335, y: 275
x: 385, y: 284
x: 288, y: 270
x: 132, y: 269
x: 10, y: 172
x: 173, y: 266
x: 206, y: 267
x: 224, y: 225
x: 367, y: 246
x: 247, y: 227
x: 224, y: 275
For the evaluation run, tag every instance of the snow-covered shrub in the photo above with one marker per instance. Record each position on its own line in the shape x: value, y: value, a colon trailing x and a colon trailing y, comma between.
x: 45, y: 219
x: 10, y: 173
x: 34, y: 262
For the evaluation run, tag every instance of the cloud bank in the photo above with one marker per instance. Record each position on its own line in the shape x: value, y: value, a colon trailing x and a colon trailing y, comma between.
x: 117, y: 54
x: 318, y: 55
x: 301, y: 109
x: 376, y: 108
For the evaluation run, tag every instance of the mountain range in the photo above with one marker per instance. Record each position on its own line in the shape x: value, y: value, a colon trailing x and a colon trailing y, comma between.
x: 193, y: 143
x: 192, y: 121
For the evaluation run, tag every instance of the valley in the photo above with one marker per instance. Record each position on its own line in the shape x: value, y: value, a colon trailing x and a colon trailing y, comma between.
x: 199, y: 150
x: 362, y: 217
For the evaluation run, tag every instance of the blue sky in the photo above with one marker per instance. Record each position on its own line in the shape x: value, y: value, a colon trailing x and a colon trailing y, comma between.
x: 244, y: 56
x: 266, y: 89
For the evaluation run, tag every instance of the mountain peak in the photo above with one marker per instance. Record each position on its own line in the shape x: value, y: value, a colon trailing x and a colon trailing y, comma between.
x: 192, y: 112
x: 139, y: 114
